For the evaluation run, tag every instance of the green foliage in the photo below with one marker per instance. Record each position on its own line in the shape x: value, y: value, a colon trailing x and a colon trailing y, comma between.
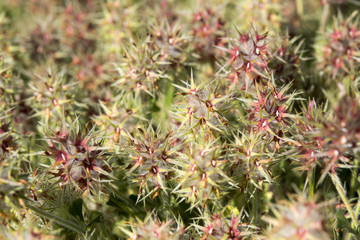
x: 166, y: 119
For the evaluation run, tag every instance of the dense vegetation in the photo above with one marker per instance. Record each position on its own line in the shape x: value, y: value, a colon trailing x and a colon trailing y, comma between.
x: 179, y: 119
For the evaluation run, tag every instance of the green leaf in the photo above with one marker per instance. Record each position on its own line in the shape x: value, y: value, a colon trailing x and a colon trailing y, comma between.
x: 94, y: 217
x: 335, y: 179
x: 75, y: 209
x: 77, y: 227
x: 343, y: 223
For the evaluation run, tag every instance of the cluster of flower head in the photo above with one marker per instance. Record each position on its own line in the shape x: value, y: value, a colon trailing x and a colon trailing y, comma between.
x: 78, y: 158
x: 339, y: 48
x: 202, y: 124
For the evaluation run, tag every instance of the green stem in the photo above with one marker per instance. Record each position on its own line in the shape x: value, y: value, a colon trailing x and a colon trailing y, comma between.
x: 354, y: 178
x: 279, y: 190
x: 324, y: 18
x: 299, y: 8
x: 311, y: 181
x: 255, y: 206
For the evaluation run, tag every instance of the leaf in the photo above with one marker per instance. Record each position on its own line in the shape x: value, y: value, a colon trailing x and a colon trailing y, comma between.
x: 343, y: 223
x: 77, y: 227
x: 264, y: 173
x: 75, y: 209
x: 94, y: 217
x: 335, y: 179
